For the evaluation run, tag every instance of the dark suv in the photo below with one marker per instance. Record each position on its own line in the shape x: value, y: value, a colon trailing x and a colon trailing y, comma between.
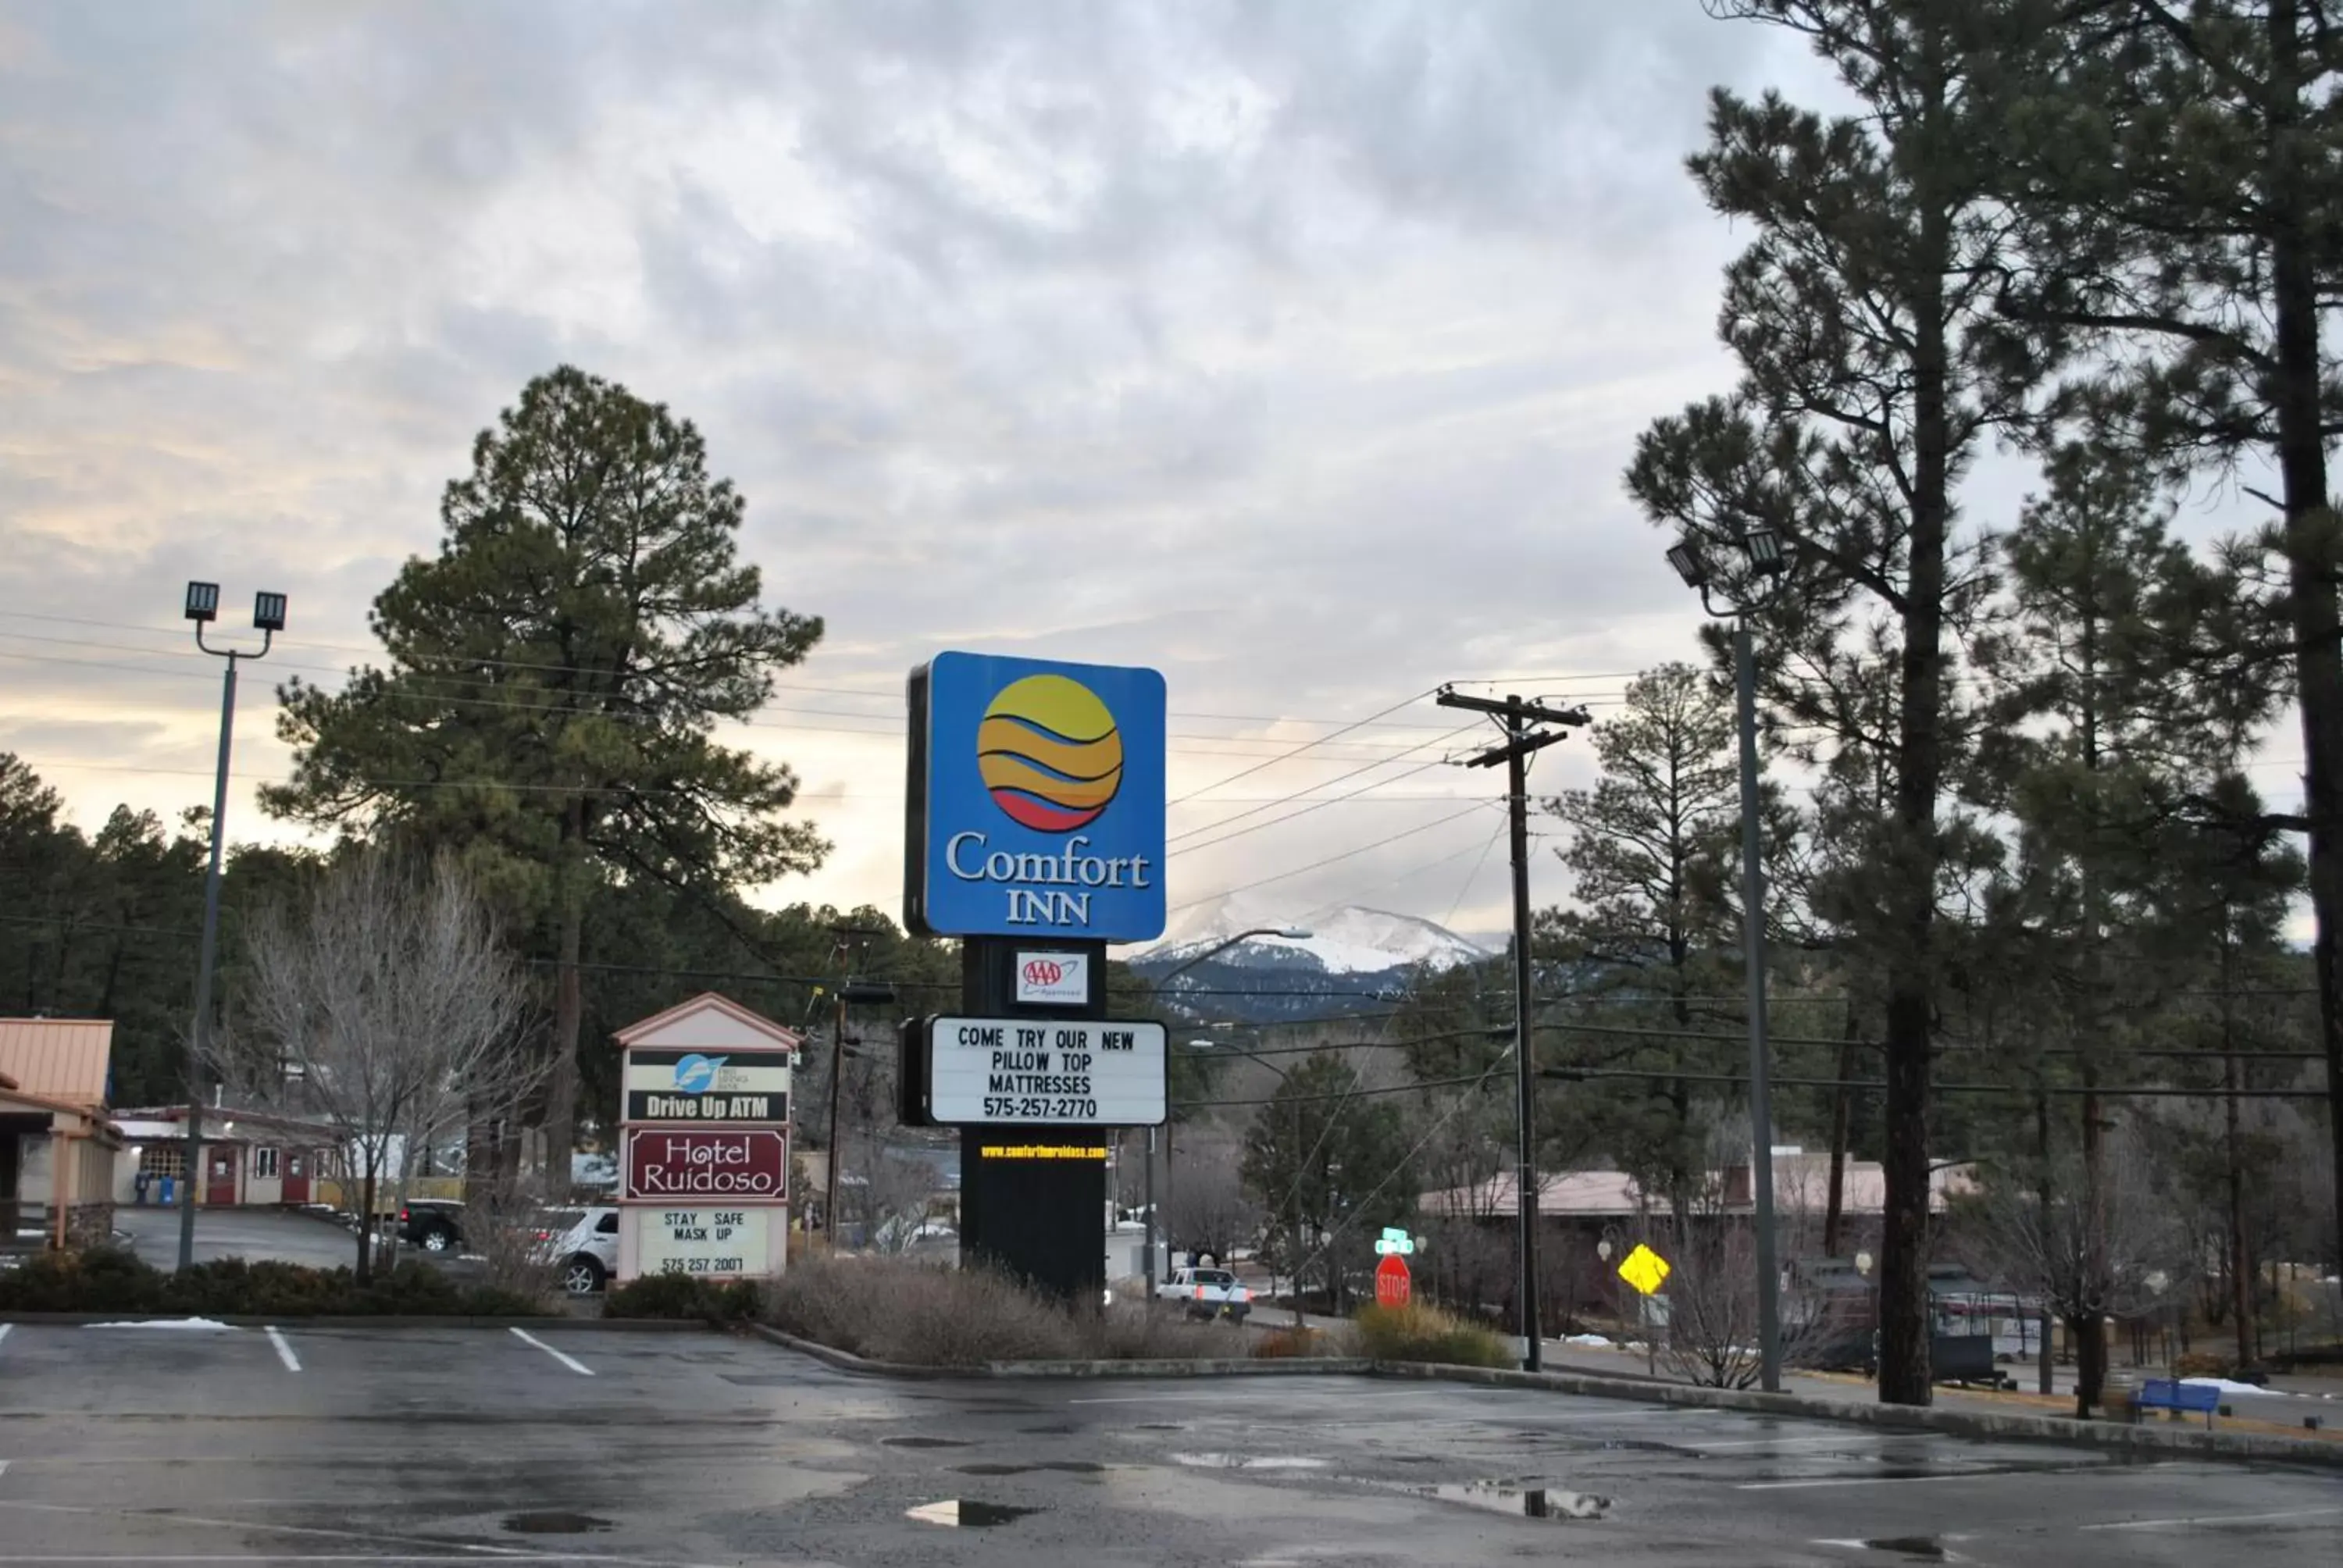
x: 434, y: 1224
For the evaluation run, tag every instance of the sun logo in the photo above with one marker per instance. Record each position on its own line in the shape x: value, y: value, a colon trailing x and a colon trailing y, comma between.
x: 1049, y: 751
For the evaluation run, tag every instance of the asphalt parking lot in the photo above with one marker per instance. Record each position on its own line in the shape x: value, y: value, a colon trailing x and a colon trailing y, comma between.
x: 586, y: 1445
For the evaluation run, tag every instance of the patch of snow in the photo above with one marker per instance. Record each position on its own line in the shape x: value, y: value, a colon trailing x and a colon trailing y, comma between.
x: 168, y: 1323
x: 1592, y: 1341
x: 2226, y: 1386
x: 1352, y: 940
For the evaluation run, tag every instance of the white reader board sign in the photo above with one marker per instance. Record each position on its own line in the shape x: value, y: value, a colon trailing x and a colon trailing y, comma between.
x: 1075, y: 1073
x: 713, y: 1243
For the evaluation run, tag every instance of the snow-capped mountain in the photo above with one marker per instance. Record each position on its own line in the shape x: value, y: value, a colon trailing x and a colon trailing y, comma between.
x: 1350, y: 951
x: 1352, y: 940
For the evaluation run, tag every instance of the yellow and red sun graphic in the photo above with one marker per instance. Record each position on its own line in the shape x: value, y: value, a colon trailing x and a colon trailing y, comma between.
x: 1049, y: 751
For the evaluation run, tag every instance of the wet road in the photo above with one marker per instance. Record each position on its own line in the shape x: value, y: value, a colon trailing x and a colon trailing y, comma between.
x: 157, y: 1445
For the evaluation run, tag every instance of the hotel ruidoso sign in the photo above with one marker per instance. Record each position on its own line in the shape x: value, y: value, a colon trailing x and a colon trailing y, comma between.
x: 708, y: 1087
x: 746, y: 1164
x: 1036, y: 797
x: 1045, y: 1072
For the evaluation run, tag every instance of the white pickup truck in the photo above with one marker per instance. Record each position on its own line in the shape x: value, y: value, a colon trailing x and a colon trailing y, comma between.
x: 1207, y: 1294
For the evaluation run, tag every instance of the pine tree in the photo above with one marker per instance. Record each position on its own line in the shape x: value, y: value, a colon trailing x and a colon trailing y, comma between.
x: 555, y: 676
x: 2179, y: 174
x: 1653, y: 855
x: 1873, y: 368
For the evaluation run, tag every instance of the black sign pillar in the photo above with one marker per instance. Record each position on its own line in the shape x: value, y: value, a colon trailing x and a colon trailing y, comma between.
x: 1032, y: 1198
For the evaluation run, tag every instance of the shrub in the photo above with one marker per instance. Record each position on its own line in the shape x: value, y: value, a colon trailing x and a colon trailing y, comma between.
x: 683, y: 1298
x: 1292, y: 1342
x: 920, y: 1314
x: 1127, y: 1334
x: 107, y: 1279
x: 2202, y: 1363
x: 101, y: 1279
x: 1420, y: 1334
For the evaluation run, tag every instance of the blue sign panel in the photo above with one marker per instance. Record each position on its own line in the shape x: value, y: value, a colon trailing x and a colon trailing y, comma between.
x: 1037, y: 800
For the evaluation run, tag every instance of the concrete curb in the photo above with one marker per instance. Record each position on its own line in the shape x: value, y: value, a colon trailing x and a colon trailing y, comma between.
x: 288, y: 1320
x: 846, y: 1361
x: 2150, y: 1441
x: 1271, y: 1366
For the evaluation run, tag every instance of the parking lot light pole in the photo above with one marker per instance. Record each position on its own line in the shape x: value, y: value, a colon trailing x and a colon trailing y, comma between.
x: 268, y: 619
x: 1766, y: 566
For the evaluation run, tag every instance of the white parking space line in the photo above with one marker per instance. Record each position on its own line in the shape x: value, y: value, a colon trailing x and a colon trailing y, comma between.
x: 4, y: 1330
x: 2061, y: 1472
x: 580, y: 1368
x: 2215, y: 1519
x: 1696, y: 1445
x: 284, y: 1351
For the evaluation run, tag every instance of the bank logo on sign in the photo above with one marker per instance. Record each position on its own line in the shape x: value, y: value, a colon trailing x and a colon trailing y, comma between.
x: 1038, y: 799
x: 697, y: 1074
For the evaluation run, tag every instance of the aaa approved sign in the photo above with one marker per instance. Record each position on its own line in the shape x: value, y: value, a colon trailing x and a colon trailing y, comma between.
x: 710, y: 1242
x: 1040, y: 1071
x: 748, y: 1165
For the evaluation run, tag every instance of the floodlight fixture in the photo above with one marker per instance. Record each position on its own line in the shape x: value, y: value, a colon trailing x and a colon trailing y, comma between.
x: 1762, y: 546
x: 1687, y: 559
x: 203, y: 602
x: 267, y: 611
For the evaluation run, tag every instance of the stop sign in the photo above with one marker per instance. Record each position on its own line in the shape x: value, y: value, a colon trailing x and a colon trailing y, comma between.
x: 1391, y: 1283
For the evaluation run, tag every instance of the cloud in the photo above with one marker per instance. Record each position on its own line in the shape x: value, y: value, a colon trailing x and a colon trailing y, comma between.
x: 1294, y: 347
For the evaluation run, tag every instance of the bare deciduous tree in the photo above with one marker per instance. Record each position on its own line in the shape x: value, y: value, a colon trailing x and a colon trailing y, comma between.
x: 1209, y: 1209
x: 1712, y: 1329
x: 2117, y: 1253
x: 385, y: 1005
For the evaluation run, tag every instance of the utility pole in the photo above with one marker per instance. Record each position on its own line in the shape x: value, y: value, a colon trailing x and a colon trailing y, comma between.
x: 857, y: 937
x: 1515, y: 716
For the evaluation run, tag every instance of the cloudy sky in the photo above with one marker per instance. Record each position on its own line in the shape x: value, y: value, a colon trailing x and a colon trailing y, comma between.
x: 1295, y: 349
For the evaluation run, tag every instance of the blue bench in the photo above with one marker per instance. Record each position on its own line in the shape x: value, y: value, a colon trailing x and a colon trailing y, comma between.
x: 2172, y: 1395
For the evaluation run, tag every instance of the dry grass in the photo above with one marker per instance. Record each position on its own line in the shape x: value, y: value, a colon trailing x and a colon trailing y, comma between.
x: 923, y: 1314
x: 1291, y: 1343
x: 1421, y: 1333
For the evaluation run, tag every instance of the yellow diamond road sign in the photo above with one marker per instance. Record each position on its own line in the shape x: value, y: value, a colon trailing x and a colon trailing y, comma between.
x: 1645, y: 1268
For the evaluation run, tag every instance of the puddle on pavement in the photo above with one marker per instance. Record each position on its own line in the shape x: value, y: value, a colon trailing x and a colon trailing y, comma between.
x: 1049, y: 1431
x: 1157, y: 1426
x: 1915, y: 1548
x: 1071, y: 1466
x: 1248, y: 1462
x: 960, y: 1513
x: 555, y: 1524
x: 1522, y: 1501
x: 923, y: 1442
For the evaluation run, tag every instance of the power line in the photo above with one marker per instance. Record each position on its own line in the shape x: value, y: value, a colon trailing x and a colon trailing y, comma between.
x: 1306, y: 811
x: 1338, y: 1094
x: 1331, y: 859
x: 1246, y: 773
x: 894, y: 697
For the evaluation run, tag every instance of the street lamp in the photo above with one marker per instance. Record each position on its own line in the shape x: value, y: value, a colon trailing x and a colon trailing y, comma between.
x: 1284, y: 933
x: 1768, y: 565
x: 268, y: 619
